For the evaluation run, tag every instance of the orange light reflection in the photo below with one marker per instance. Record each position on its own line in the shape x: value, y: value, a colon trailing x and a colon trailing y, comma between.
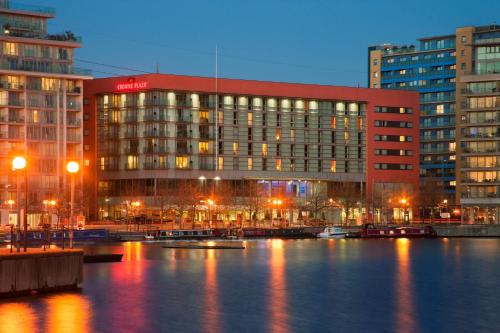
x: 211, y: 308
x: 278, y: 304
x: 68, y: 313
x: 405, y: 321
x: 17, y: 317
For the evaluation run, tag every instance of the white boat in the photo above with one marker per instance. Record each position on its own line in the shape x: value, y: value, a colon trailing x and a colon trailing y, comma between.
x: 332, y: 232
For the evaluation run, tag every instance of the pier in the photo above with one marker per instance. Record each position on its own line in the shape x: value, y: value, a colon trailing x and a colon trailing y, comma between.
x: 39, y: 271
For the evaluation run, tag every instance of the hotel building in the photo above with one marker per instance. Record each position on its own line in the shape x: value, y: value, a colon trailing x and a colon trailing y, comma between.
x: 458, y: 77
x: 40, y: 106
x: 148, y: 136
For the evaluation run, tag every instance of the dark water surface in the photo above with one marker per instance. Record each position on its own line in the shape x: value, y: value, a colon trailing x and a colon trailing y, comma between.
x: 435, y: 285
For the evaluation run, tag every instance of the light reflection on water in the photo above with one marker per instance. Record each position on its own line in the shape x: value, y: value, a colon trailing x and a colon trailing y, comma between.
x: 405, y: 321
x: 312, y: 286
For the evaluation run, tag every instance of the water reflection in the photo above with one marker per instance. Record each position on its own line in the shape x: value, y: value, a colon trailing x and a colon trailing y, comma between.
x: 68, y: 313
x: 211, y: 304
x: 405, y: 321
x: 17, y: 317
x: 277, y: 303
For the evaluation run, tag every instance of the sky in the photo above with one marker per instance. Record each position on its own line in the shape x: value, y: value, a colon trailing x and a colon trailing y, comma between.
x: 308, y: 41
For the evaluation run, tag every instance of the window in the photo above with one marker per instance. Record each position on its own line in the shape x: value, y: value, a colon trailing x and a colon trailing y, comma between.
x: 220, y: 163
x: 440, y: 109
x: 249, y: 149
x: 264, y: 149
x: 464, y: 39
x: 235, y: 148
x: 462, y: 65
x: 250, y: 118
x: 278, y: 134
x: 249, y: 164
x: 333, y: 166
x: 181, y: 162
x: 278, y: 164
x: 375, y: 62
x: 375, y: 74
x: 203, y: 147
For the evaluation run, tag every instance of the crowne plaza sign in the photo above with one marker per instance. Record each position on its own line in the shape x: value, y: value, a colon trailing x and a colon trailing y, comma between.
x: 131, y: 85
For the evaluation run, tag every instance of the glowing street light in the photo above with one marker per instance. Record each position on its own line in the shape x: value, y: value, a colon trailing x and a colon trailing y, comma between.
x: 72, y: 167
x: 19, y: 164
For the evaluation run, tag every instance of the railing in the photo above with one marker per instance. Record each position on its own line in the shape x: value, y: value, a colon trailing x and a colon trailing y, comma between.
x: 155, y: 134
x: 74, y: 122
x: 10, y: 85
x: 73, y: 138
x: 73, y: 105
x: 130, y: 135
x: 11, y: 102
x: 479, y: 92
x: 62, y: 37
x: 130, y: 167
x: 155, y: 118
x: 131, y: 150
x: 482, y: 135
x: 151, y: 166
x: 131, y: 119
x: 69, y: 70
x: 155, y: 150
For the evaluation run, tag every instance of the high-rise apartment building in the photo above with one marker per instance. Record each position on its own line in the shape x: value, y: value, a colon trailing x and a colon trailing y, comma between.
x: 458, y: 77
x: 430, y: 70
x: 157, y: 138
x: 40, y: 105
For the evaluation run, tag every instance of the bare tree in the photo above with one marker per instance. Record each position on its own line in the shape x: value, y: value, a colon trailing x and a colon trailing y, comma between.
x: 347, y: 195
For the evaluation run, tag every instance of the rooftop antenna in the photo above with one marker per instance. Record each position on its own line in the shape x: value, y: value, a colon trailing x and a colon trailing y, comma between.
x: 157, y: 68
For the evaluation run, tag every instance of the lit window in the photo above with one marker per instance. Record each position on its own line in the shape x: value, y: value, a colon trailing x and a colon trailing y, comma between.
x: 203, y: 147
x: 181, y: 162
x: 131, y: 162
x: 250, y: 118
x: 250, y: 164
x: 452, y: 146
x: 220, y: 165
x: 334, y: 166
x: 278, y: 165
x: 402, y: 138
x: 264, y: 149
x: 440, y: 109
x: 278, y: 134
x: 235, y: 148
x: 346, y: 136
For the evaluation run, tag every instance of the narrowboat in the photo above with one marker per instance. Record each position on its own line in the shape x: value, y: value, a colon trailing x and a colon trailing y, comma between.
x: 371, y: 231
x: 278, y: 233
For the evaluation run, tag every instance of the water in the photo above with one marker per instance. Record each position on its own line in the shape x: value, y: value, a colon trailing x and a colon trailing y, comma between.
x: 435, y: 285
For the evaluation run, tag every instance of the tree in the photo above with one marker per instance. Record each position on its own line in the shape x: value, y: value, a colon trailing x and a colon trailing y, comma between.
x: 253, y: 200
x: 347, y: 195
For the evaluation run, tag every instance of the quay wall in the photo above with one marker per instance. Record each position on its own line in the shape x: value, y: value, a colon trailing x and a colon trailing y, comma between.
x: 472, y: 230
x: 39, y: 271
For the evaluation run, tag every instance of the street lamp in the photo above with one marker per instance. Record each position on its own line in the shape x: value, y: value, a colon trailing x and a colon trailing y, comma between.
x: 211, y: 203
x: 406, y: 217
x: 72, y: 167
x: 19, y: 163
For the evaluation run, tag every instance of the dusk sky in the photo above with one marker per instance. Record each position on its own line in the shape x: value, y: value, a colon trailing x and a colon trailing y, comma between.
x: 316, y: 41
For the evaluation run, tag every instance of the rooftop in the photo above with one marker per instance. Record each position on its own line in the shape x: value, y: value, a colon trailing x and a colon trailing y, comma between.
x: 27, y: 9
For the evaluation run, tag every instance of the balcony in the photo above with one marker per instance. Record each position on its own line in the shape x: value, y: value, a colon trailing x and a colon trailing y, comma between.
x: 154, y: 166
x: 72, y: 105
x: 155, y: 134
x: 73, y: 138
x: 73, y: 122
x: 153, y: 118
x: 130, y: 167
x: 131, y: 119
x: 130, y: 135
x: 52, y: 69
x: 11, y: 102
x: 482, y: 135
x: 131, y: 150
x: 155, y: 150
x: 11, y: 86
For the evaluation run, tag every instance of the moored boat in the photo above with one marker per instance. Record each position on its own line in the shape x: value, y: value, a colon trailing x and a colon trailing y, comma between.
x: 332, y: 232
x: 371, y: 231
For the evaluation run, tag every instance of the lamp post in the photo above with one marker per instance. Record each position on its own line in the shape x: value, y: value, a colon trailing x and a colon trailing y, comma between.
x: 211, y: 203
x: 19, y: 163
x: 406, y: 217
x: 72, y: 167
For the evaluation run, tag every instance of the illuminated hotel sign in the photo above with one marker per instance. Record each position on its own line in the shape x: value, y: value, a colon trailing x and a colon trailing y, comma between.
x: 132, y: 85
